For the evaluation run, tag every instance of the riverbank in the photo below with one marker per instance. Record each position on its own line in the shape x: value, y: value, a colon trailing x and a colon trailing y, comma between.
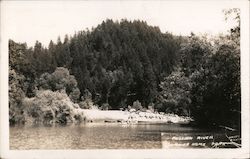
x: 132, y: 117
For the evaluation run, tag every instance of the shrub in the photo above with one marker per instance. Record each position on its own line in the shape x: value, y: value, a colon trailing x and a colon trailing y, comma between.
x: 105, y: 106
x: 50, y: 107
x: 137, y: 105
x: 60, y: 80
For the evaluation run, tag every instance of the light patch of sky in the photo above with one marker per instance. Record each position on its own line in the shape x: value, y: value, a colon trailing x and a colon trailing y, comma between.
x: 28, y: 21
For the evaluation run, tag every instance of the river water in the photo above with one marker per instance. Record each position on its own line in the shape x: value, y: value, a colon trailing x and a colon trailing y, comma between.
x: 112, y: 136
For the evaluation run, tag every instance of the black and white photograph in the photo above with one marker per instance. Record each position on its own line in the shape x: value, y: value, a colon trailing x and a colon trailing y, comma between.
x: 132, y: 79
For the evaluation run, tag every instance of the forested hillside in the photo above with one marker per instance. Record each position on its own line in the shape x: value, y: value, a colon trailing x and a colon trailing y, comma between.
x: 117, y: 62
x: 120, y: 64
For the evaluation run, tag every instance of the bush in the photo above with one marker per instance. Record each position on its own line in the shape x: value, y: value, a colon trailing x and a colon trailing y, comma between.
x: 52, y: 107
x: 105, y: 106
x: 86, y: 104
x: 137, y: 105
x: 60, y: 80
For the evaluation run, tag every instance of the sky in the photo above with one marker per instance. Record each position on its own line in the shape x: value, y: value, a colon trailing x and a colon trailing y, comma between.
x: 28, y: 21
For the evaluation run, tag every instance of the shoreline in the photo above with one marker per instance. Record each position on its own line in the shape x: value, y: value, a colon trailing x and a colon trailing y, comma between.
x: 133, y: 117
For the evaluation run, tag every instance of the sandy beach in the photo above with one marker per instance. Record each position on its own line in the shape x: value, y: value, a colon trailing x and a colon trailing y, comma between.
x: 95, y: 115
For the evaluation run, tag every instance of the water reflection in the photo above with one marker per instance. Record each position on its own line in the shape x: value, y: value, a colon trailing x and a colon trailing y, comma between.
x: 92, y: 136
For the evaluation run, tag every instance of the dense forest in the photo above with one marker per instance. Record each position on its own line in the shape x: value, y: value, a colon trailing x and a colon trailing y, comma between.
x: 124, y: 64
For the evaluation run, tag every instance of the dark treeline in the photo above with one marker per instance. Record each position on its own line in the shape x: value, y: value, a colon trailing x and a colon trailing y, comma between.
x: 118, y: 63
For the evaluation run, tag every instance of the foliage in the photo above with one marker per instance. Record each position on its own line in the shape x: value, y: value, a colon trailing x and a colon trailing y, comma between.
x: 192, y: 53
x: 86, y: 102
x: 17, y: 56
x: 16, y: 95
x: 52, y: 107
x: 151, y: 107
x: 137, y: 105
x: 105, y: 106
x: 30, y: 63
x: 216, y: 91
x: 175, y: 96
x: 118, y: 64
x: 60, y: 79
